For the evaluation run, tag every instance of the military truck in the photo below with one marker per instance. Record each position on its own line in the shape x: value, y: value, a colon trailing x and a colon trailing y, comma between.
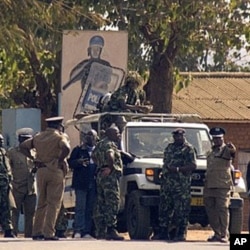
x: 146, y: 136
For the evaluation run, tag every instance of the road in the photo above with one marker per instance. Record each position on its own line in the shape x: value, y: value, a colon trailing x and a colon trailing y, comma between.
x: 196, y: 240
x: 28, y: 244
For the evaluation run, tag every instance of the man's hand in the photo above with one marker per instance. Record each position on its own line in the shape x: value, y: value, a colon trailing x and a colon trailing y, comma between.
x: 146, y: 109
x: 172, y: 169
x: 84, y: 162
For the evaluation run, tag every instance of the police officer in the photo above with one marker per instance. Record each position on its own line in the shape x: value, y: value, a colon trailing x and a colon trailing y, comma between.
x: 23, y: 183
x: 109, y: 168
x: 218, y: 184
x: 5, y: 179
x: 175, y: 195
x: 52, y: 148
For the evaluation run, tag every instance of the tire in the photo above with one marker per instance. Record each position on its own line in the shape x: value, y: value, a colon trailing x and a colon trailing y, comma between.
x: 236, y: 217
x: 121, y: 223
x: 138, y: 217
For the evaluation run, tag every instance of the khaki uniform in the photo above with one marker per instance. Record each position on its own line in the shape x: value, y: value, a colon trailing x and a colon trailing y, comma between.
x: 50, y: 179
x: 218, y: 185
x: 24, y: 192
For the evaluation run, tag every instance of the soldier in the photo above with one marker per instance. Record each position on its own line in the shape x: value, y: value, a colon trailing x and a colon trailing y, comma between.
x: 218, y: 185
x: 23, y: 183
x: 109, y: 169
x: 127, y: 97
x: 175, y: 195
x: 5, y: 179
x: 52, y: 148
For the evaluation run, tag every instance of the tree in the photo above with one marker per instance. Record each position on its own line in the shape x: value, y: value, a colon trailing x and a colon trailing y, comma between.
x: 30, y: 38
x: 173, y: 31
x: 164, y: 37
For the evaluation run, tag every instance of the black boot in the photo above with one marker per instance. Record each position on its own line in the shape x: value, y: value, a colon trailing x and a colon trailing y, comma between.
x: 180, y: 234
x: 112, y: 234
x: 60, y: 234
x: 9, y: 234
x: 163, y: 234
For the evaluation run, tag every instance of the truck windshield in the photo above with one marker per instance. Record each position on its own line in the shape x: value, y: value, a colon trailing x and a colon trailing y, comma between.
x: 150, y: 142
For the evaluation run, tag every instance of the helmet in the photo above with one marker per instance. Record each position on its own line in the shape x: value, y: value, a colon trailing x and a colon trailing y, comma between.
x: 97, y: 41
x: 134, y: 77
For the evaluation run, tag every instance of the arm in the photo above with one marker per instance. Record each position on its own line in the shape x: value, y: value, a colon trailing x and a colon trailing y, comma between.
x: 139, y: 108
x: 110, y: 163
x: 77, y: 160
x: 25, y: 148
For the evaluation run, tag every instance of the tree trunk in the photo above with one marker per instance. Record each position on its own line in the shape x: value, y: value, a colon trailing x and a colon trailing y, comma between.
x: 159, y: 87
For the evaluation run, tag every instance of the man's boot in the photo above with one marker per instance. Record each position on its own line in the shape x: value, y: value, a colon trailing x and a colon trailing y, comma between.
x: 9, y: 234
x: 60, y: 234
x: 112, y: 234
x: 163, y: 234
x: 180, y: 234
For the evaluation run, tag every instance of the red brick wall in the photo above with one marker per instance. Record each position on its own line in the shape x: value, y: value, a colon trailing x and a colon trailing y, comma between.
x: 246, y: 214
x: 239, y: 135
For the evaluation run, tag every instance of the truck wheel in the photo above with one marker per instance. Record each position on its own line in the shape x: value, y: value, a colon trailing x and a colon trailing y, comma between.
x: 235, y: 225
x: 138, y: 217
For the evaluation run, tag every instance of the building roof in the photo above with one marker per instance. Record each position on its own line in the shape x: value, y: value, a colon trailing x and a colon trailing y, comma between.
x: 215, y: 96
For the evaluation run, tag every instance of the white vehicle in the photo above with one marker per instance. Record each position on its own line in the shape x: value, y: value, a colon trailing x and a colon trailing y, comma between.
x: 146, y: 136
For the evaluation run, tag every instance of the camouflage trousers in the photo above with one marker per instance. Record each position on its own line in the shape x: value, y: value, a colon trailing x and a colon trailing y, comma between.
x: 5, y: 209
x: 107, y: 203
x: 174, y: 207
x: 62, y: 220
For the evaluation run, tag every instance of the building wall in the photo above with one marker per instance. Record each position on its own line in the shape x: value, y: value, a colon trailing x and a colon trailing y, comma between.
x: 239, y: 135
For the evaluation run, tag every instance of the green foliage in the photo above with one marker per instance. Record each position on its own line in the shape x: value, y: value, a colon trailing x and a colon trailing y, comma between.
x: 165, y: 37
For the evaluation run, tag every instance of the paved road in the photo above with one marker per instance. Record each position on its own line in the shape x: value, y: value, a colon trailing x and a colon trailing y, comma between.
x: 75, y: 244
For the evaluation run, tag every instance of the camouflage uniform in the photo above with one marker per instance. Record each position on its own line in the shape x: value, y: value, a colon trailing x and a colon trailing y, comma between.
x: 61, y: 222
x: 175, y: 192
x: 5, y: 178
x: 125, y: 93
x: 108, y: 192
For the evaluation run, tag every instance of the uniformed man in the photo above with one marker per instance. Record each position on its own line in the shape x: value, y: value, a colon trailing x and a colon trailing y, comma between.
x: 52, y: 148
x: 175, y: 195
x: 5, y: 189
x: 23, y: 183
x: 127, y: 97
x: 109, y: 168
x: 218, y: 184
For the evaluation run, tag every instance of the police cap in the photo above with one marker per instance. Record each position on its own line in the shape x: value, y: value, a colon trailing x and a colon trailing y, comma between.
x: 179, y: 131
x: 25, y: 132
x: 55, y: 119
x: 217, y: 132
